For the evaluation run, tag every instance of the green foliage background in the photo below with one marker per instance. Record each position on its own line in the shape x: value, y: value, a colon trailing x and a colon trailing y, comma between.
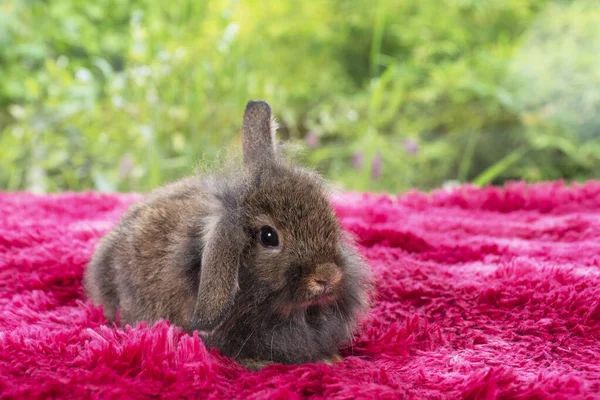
x: 127, y: 94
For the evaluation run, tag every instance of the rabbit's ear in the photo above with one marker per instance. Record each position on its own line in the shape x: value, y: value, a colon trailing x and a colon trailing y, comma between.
x: 258, y: 133
x: 218, y: 274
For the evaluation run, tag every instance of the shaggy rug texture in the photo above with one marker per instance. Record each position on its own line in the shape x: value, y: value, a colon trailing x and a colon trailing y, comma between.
x: 481, y: 293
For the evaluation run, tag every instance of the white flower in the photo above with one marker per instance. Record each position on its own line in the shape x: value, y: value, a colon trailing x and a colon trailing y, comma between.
x: 84, y: 75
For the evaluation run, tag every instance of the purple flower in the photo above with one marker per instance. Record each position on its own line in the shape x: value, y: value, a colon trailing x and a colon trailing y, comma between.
x: 357, y: 160
x: 376, y: 167
x: 411, y: 146
x: 312, y: 140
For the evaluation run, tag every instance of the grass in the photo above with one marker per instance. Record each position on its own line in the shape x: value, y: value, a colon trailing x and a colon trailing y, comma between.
x: 124, y: 95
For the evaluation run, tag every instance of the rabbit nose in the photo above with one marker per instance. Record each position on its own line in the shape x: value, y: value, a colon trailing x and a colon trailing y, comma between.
x: 325, y: 278
x: 319, y: 287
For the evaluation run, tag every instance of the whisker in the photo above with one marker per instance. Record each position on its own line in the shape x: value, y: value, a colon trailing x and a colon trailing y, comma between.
x: 352, y: 338
x: 337, y: 307
x: 245, y: 341
x: 350, y: 335
x: 272, y: 336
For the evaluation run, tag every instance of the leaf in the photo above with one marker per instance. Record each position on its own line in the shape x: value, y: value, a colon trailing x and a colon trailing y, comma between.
x: 498, y: 168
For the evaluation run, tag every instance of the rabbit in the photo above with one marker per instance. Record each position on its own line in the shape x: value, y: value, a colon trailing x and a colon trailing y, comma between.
x: 254, y: 259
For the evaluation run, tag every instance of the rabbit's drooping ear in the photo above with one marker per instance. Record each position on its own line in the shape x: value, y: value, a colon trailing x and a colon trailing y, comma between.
x: 258, y: 133
x: 218, y: 274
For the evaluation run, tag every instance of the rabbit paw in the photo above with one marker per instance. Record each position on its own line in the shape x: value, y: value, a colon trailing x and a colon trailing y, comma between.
x: 254, y: 364
x: 333, y: 359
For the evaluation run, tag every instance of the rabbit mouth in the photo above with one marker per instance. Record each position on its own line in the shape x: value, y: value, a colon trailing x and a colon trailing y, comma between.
x: 320, y: 300
x: 314, y: 302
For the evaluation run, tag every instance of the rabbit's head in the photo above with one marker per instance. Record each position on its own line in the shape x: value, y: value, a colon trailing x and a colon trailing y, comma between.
x: 273, y: 237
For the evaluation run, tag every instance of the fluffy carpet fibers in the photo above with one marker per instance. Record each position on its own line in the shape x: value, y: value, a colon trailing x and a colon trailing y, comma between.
x: 482, y: 293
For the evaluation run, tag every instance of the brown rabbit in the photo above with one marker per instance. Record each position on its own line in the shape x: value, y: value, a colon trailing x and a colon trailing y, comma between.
x: 254, y: 259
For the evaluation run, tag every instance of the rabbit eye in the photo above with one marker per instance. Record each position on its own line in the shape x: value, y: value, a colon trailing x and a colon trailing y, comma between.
x: 269, y: 237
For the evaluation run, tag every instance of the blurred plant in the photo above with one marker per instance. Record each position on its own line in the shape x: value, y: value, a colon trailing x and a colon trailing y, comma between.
x: 127, y: 94
x: 411, y: 146
x: 312, y: 140
x: 376, y: 167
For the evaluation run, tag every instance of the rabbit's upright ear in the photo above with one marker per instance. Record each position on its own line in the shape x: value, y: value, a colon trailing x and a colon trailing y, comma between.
x: 218, y: 274
x: 258, y: 133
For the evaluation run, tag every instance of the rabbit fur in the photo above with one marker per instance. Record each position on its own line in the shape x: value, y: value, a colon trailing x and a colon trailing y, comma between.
x: 190, y: 252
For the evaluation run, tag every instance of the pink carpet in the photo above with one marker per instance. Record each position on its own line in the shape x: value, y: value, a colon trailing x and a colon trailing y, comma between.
x: 487, y: 294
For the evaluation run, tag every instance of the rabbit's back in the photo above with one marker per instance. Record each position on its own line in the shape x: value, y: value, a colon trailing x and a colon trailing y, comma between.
x: 148, y: 265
